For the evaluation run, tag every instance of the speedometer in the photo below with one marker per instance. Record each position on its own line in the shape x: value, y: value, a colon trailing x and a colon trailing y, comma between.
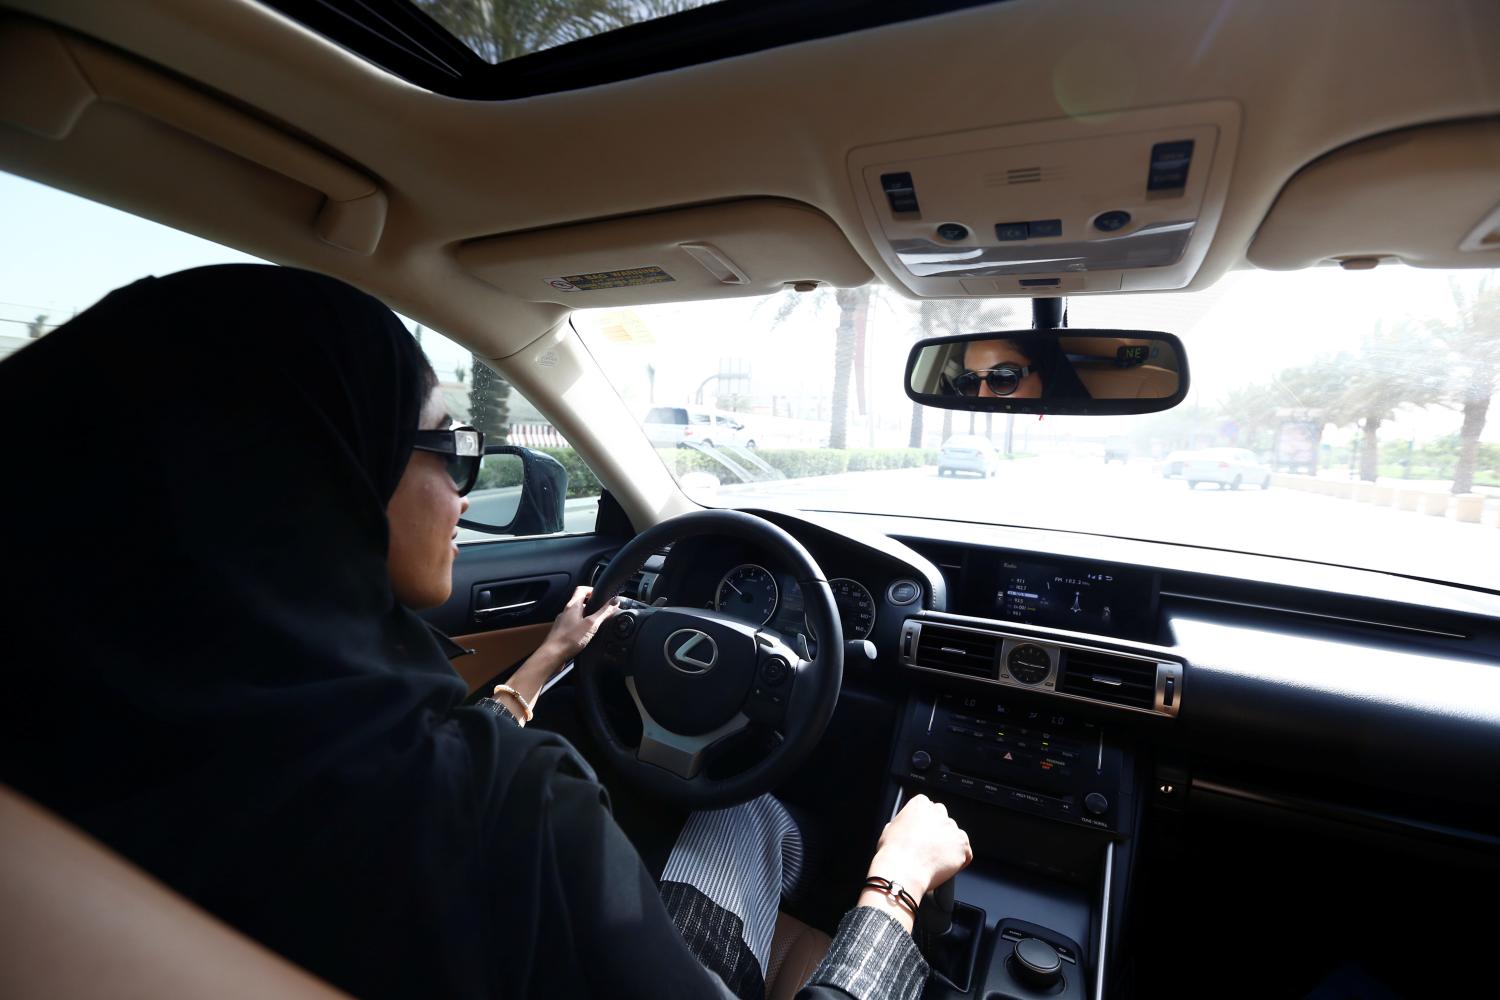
x: 856, y: 608
x: 748, y: 592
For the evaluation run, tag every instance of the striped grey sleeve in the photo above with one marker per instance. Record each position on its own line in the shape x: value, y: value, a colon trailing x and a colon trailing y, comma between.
x: 499, y: 709
x: 872, y: 958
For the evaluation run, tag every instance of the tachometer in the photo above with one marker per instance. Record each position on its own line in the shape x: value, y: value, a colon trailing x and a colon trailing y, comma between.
x: 748, y: 592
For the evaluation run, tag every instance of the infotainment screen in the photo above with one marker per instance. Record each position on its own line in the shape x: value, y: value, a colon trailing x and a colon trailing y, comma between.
x: 1081, y: 597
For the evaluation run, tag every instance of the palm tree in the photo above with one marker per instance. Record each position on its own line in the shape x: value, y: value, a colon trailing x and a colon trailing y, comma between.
x: 1469, y: 348
x: 854, y: 304
x: 489, y: 403
x: 1394, y: 367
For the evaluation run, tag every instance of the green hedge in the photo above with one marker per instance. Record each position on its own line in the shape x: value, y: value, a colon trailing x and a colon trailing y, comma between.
x: 581, y: 479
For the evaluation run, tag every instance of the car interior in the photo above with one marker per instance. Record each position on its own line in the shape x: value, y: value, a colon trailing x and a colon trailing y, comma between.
x: 1220, y: 772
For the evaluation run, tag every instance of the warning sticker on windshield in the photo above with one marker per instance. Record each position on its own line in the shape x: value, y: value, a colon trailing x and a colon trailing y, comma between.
x: 628, y: 277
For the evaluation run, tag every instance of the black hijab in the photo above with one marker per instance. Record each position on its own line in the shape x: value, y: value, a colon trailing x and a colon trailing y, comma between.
x: 206, y: 667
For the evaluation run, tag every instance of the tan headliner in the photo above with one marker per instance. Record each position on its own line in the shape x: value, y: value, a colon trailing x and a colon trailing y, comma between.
x: 1310, y: 76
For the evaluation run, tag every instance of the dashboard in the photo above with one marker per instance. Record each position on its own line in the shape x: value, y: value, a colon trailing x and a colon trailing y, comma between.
x: 1293, y: 663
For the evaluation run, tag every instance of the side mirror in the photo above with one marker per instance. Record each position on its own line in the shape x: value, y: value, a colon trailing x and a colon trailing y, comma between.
x: 519, y: 492
x: 1065, y: 371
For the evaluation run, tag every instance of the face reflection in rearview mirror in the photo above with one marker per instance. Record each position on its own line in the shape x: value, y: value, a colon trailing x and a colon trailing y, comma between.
x: 1050, y: 371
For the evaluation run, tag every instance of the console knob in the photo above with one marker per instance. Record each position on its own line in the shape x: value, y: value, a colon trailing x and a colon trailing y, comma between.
x: 1096, y: 803
x: 1037, y: 964
x: 921, y: 760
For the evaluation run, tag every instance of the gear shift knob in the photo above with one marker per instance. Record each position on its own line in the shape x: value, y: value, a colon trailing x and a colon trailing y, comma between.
x: 936, y: 913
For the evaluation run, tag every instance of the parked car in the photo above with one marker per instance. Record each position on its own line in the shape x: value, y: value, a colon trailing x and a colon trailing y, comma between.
x: 1173, y: 464
x: 1231, y: 467
x: 968, y: 453
x: 672, y: 426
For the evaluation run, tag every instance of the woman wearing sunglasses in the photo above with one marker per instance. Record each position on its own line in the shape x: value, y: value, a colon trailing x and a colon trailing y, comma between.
x: 1019, y: 367
x: 221, y: 676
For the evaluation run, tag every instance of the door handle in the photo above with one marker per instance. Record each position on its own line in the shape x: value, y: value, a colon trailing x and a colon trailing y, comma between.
x: 501, y: 609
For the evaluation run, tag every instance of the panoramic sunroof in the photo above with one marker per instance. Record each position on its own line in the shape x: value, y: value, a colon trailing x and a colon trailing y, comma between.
x: 506, y: 49
x: 498, y: 30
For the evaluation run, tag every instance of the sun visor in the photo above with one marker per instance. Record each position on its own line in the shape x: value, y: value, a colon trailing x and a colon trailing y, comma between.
x: 1103, y: 203
x: 1427, y: 196
x: 750, y: 247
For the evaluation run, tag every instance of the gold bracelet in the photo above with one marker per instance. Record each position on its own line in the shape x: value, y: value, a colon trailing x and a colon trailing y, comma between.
x: 525, y: 705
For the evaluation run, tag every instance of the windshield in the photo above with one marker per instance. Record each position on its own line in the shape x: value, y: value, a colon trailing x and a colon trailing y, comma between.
x: 1333, y: 416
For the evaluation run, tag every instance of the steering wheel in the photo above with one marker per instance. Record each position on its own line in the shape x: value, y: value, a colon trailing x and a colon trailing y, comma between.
x: 698, y: 678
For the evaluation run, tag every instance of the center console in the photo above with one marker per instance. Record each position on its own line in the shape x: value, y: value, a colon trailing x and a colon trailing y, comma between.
x: 1030, y: 758
x: 1049, y: 799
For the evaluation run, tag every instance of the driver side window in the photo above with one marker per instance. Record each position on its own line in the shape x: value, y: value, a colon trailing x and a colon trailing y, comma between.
x: 62, y: 253
x: 477, y: 395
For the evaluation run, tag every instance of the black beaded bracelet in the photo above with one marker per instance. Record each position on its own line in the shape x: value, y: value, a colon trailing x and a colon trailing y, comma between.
x: 894, y: 890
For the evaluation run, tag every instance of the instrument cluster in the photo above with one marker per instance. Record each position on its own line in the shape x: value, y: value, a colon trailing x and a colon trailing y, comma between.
x: 754, y: 594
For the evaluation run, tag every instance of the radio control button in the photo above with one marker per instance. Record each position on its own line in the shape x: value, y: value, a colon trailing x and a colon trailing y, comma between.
x: 1096, y: 803
x: 921, y: 760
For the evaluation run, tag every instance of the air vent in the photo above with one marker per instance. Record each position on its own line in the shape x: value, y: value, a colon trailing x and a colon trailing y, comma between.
x: 1119, y: 679
x: 958, y: 651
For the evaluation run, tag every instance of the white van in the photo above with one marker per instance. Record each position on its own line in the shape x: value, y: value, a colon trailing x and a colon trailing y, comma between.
x: 670, y: 426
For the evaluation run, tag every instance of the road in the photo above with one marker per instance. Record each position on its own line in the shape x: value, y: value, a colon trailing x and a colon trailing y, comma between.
x: 1133, y: 501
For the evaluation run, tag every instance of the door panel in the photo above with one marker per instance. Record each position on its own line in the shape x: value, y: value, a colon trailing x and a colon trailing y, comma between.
x: 506, y: 594
x: 496, y: 651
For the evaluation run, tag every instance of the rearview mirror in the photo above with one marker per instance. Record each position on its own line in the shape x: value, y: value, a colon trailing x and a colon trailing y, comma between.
x: 1050, y: 371
x: 518, y: 492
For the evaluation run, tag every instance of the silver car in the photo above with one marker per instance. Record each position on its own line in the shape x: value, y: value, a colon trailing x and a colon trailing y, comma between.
x: 1231, y: 467
x: 968, y: 453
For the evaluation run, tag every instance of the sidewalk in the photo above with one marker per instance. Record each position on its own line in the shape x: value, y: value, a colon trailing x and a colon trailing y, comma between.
x: 1429, y: 496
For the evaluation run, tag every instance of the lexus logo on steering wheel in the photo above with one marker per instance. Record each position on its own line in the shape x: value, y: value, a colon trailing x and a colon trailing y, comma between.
x: 691, y: 651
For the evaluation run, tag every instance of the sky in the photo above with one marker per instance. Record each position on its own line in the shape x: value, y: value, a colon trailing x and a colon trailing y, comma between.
x: 62, y: 253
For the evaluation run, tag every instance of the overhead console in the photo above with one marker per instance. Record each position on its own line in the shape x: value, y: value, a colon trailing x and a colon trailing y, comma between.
x: 1105, y: 203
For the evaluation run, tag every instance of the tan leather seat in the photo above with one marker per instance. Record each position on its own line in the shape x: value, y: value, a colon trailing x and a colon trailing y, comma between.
x: 1142, y: 382
x: 796, y: 950
x: 78, y: 921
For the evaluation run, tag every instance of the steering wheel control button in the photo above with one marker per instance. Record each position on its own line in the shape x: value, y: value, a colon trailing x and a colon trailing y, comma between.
x: 1111, y: 222
x: 1096, y: 803
x: 775, y: 671
x: 1036, y: 964
x: 623, y: 625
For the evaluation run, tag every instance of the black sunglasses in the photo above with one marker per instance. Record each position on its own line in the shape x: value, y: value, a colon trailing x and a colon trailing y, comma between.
x: 1002, y: 380
x: 463, y: 449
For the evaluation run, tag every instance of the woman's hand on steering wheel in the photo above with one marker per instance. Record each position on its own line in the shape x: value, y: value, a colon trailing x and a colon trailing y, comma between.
x: 571, y: 633
x: 573, y: 630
